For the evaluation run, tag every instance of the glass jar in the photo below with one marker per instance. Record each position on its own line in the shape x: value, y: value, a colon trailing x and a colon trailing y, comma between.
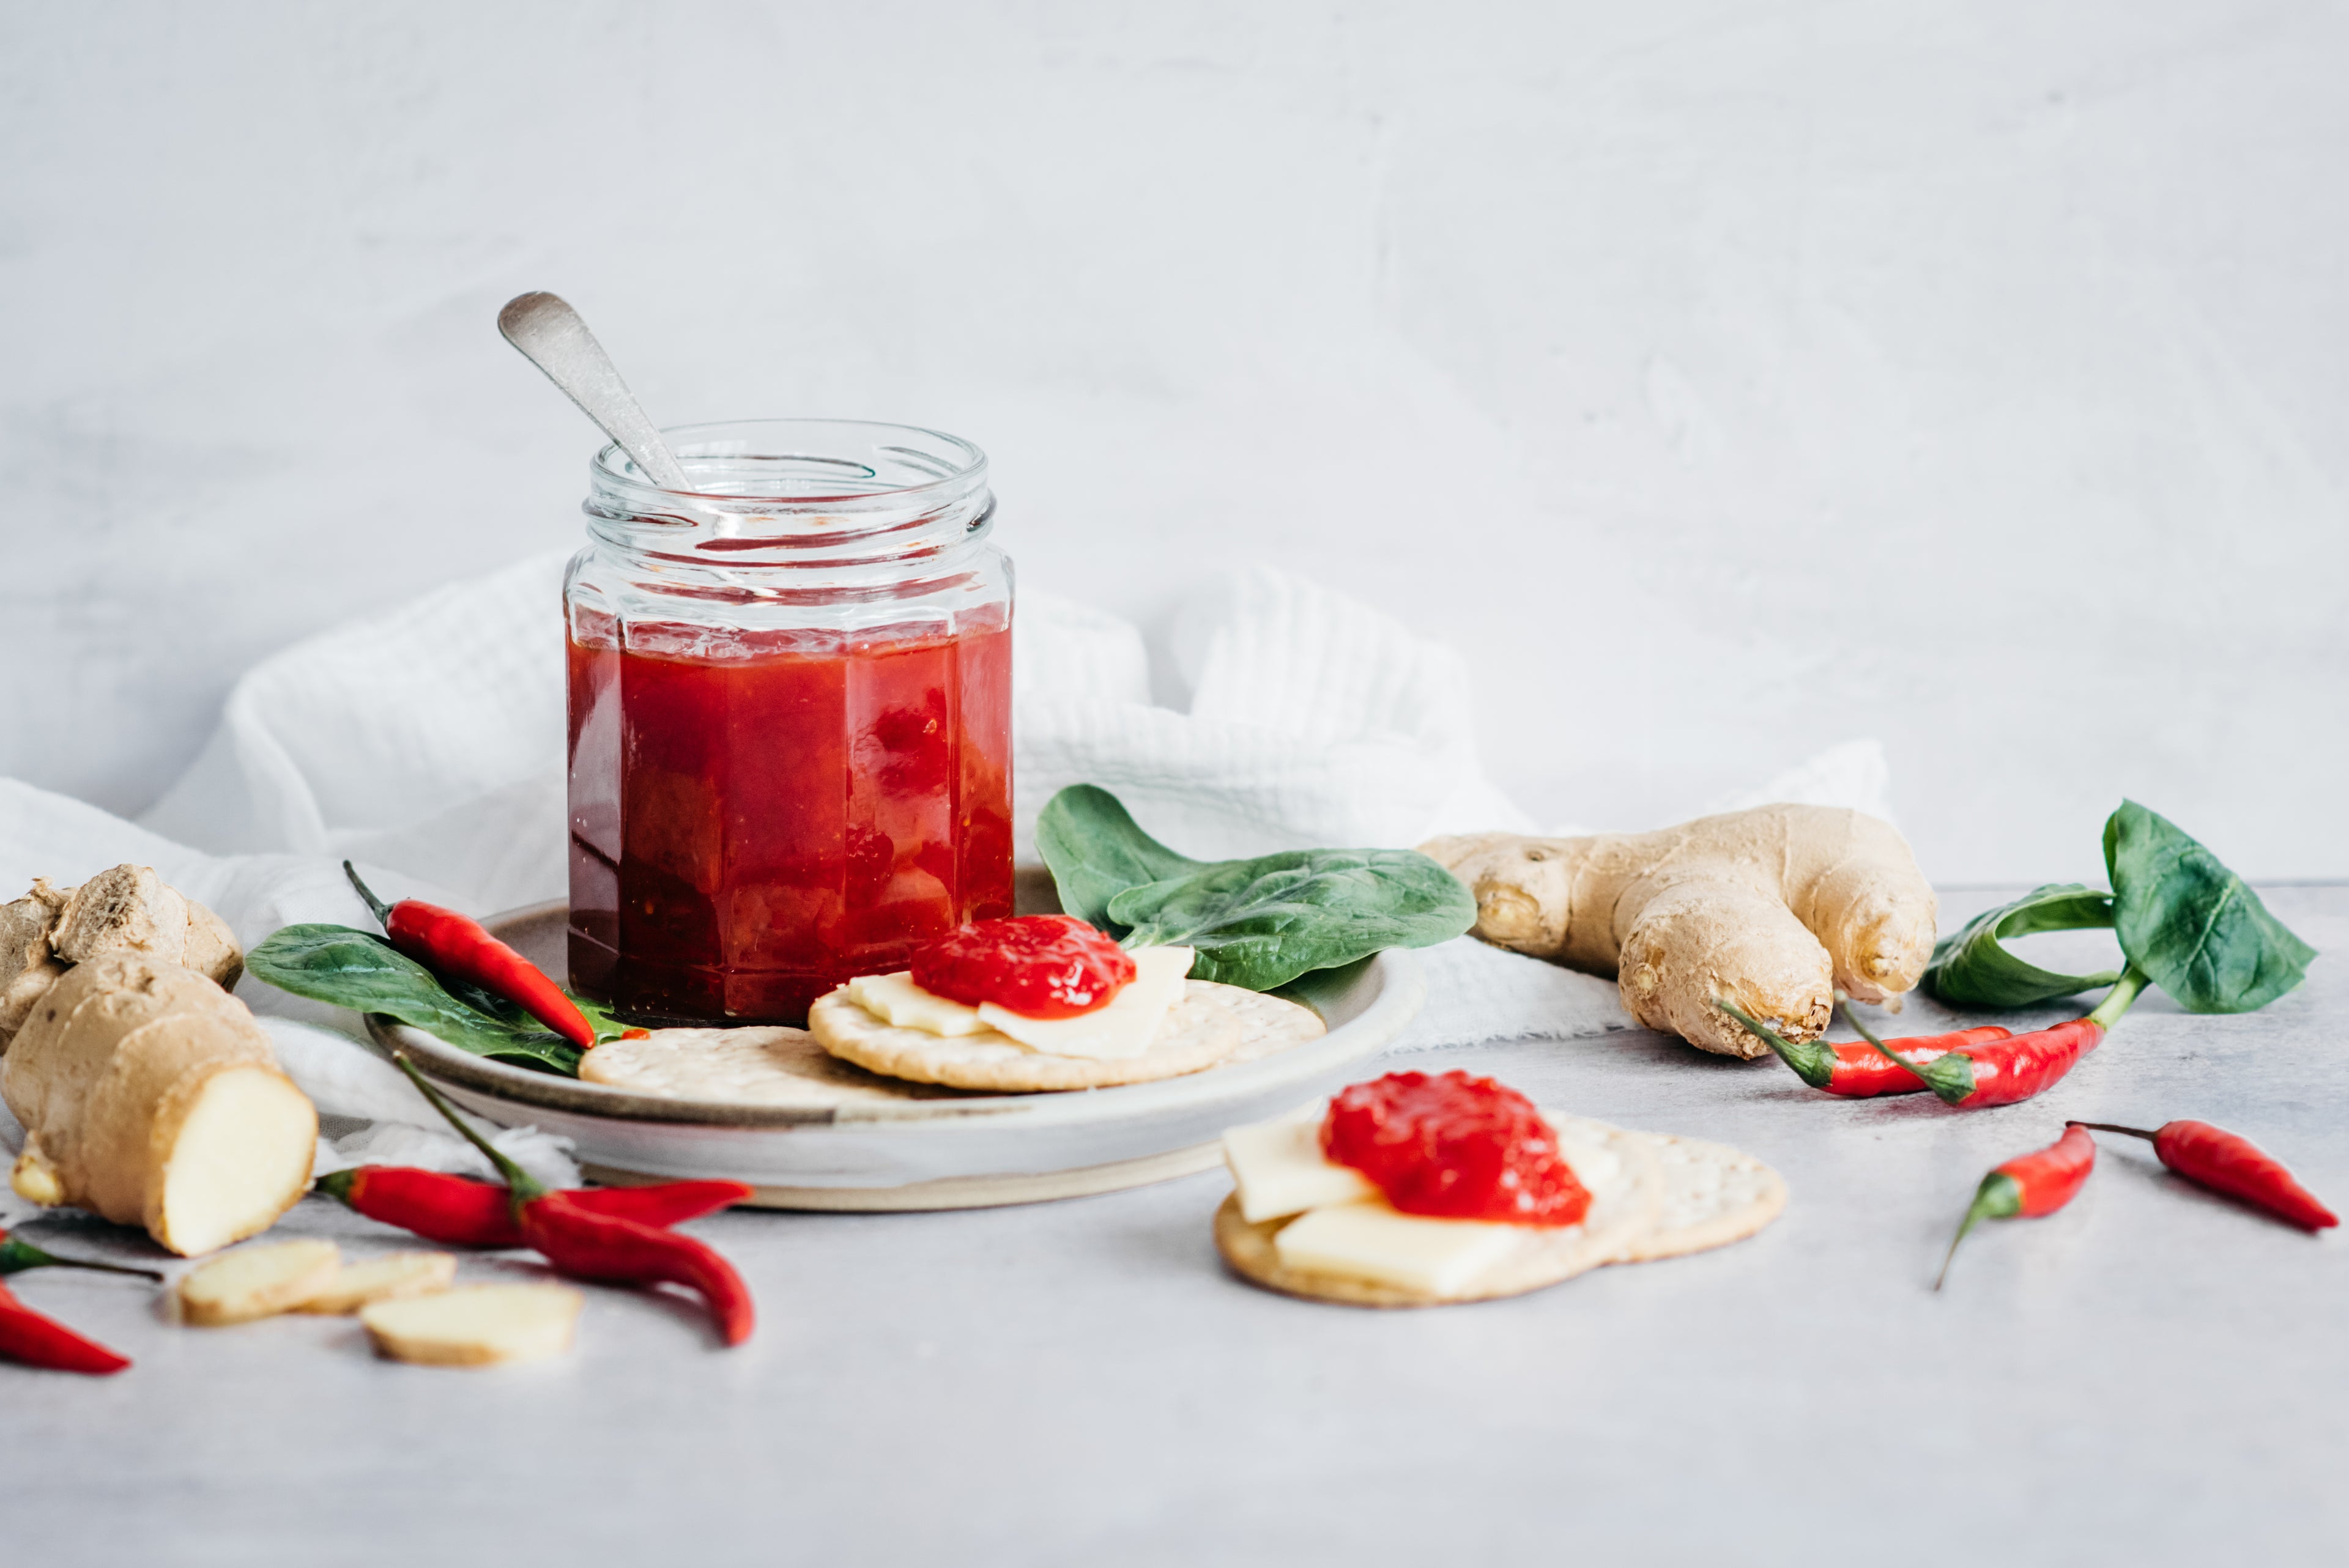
x: 791, y: 716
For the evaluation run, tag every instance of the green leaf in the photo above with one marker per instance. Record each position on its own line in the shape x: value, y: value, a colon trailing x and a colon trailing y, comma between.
x: 1262, y: 923
x: 1096, y: 851
x: 2193, y: 925
x: 1972, y: 969
x: 357, y: 969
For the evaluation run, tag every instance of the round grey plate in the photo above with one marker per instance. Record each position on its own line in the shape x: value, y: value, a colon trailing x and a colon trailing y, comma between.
x: 866, y: 1142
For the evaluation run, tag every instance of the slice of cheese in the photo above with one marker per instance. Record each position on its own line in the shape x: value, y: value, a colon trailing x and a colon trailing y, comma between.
x: 1369, y: 1240
x: 896, y: 1000
x: 1123, y: 1026
x: 1279, y: 1169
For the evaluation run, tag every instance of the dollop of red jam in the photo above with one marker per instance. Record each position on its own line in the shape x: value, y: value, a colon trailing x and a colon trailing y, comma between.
x: 1037, y: 965
x: 1454, y: 1147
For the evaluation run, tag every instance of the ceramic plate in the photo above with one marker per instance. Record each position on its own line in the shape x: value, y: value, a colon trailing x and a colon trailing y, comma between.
x: 886, y: 1145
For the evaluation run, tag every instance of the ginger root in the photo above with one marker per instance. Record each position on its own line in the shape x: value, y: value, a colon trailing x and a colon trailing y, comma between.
x: 151, y: 1097
x: 1772, y: 909
x: 129, y: 909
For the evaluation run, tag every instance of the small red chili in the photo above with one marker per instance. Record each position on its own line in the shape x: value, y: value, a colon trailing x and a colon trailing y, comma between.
x: 2231, y: 1163
x: 585, y: 1245
x: 454, y: 945
x: 456, y: 1211
x: 2029, y: 1186
x: 37, y: 1340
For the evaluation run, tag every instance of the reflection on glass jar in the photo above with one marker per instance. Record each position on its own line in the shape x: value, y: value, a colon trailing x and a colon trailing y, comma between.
x: 791, y: 716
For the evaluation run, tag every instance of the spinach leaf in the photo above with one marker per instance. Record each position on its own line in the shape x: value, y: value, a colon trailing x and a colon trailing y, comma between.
x: 1972, y: 969
x: 1262, y: 923
x: 1096, y: 850
x: 357, y: 969
x: 2190, y: 924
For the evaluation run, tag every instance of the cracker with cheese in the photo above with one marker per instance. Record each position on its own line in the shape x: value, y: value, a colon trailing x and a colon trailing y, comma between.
x: 1348, y: 1245
x: 1185, y: 1028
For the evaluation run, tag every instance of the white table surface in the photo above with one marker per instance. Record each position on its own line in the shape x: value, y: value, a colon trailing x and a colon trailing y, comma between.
x: 2152, y: 1376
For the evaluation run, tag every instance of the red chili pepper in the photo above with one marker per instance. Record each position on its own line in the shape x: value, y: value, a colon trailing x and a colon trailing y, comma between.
x: 18, y: 1255
x: 2019, y: 1067
x: 1856, y: 1069
x: 585, y: 1245
x: 458, y: 1210
x: 2029, y: 1186
x: 449, y: 944
x: 37, y: 1340
x: 2231, y: 1163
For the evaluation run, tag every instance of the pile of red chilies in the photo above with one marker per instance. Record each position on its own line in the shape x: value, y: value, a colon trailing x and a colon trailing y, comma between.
x: 617, y: 1235
x: 1971, y: 1069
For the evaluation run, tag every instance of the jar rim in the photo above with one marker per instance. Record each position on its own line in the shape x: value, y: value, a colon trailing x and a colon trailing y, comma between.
x: 956, y: 464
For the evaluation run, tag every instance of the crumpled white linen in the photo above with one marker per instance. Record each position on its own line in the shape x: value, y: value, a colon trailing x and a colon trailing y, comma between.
x: 427, y: 744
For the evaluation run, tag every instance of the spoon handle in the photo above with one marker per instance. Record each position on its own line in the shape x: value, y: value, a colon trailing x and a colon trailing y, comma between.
x: 552, y: 336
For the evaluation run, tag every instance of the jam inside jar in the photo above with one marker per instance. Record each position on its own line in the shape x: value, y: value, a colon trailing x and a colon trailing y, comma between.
x: 790, y: 716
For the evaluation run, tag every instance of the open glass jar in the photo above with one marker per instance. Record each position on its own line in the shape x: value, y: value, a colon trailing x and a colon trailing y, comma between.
x: 791, y: 716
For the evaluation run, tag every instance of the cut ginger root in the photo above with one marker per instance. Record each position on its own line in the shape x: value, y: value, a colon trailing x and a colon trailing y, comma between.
x: 1772, y: 909
x: 477, y: 1325
x: 393, y: 1278
x: 151, y: 1097
x: 257, y: 1281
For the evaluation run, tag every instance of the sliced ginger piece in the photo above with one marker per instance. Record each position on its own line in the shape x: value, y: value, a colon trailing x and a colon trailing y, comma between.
x: 237, y: 1159
x: 393, y: 1278
x: 257, y: 1282
x: 476, y: 1326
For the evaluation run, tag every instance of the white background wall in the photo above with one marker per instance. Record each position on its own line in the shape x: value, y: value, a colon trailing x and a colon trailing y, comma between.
x: 1726, y: 378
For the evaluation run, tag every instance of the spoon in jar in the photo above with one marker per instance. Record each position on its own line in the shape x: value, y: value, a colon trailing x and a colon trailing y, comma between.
x: 552, y: 336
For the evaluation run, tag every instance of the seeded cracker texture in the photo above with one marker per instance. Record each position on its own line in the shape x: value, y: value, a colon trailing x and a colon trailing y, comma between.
x: 1200, y: 1031
x: 1712, y: 1195
x: 759, y: 1065
x: 1623, y: 1208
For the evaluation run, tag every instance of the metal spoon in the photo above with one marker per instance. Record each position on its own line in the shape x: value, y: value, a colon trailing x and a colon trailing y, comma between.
x: 552, y: 336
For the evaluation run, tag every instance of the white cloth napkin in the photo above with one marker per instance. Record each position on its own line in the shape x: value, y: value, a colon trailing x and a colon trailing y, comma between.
x: 427, y: 744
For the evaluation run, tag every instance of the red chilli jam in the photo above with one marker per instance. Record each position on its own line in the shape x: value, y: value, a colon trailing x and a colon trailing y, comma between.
x: 1455, y: 1148
x: 1036, y: 965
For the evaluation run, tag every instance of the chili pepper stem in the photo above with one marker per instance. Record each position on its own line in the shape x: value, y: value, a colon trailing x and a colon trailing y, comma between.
x: 1998, y: 1198
x: 382, y: 910
x: 524, y: 1186
x: 18, y: 1255
x: 1792, y: 1055
x: 2108, y: 1127
x: 2120, y: 998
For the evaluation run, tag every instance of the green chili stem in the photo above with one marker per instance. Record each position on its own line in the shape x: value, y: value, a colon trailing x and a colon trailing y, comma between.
x: 2120, y: 998
x: 18, y: 1255
x: 2110, y: 1127
x: 2006, y: 1203
x: 382, y: 910
x: 519, y: 1181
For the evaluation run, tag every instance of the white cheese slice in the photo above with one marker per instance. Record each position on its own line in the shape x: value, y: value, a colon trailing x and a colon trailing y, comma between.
x: 1369, y: 1240
x: 1123, y: 1026
x: 896, y: 1000
x: 1279, y: 1169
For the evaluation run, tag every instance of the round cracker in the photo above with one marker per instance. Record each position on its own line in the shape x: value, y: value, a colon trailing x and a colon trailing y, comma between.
x: 1268, y: 1024
x: 1200, y: 1031
x: 758, y: 1065
x: 1712, y: 1195
x: 1622, y: 1208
